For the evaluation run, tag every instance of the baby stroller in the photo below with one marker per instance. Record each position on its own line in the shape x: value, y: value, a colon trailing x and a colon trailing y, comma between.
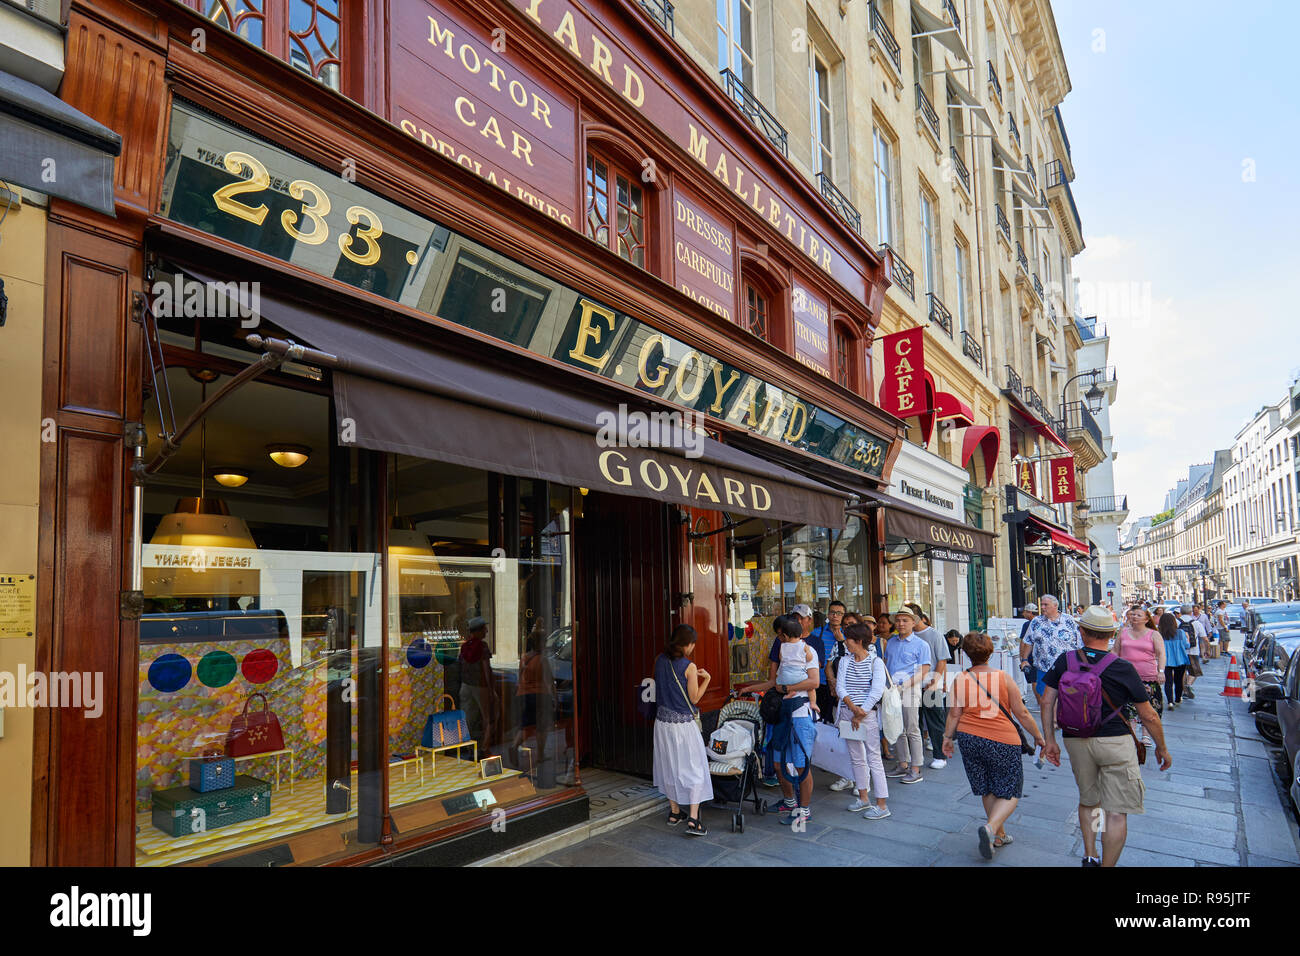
x: 733, y: 758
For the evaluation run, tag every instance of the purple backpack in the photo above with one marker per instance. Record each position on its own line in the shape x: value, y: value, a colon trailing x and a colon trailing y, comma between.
x: 1080, y: 705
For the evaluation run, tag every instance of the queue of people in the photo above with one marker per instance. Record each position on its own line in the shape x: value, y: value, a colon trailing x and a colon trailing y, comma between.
x: 841, y: 670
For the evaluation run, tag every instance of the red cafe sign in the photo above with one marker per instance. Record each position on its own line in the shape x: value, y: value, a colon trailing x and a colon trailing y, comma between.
x: 902, y: 392
x: 1063, y: 486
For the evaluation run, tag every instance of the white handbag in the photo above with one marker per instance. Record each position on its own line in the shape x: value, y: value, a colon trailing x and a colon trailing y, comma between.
x: 848, y: 733
x: 891, y: 710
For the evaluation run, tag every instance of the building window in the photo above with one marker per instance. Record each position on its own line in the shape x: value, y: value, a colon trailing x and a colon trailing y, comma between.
x: 963, y: 287
x: 845, y: 349
x: 819, y: 80
x: 616, y: 209
x: 929, y: 247
x: 309, y: 34
x: 756, y: 312
x: 884, y: 163
x: 735, y: 21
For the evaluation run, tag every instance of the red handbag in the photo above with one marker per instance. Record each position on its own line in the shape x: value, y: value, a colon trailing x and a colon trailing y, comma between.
x: 255, y: 733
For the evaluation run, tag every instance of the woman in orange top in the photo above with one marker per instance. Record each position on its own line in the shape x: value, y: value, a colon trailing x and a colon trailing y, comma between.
x: 990, y: 743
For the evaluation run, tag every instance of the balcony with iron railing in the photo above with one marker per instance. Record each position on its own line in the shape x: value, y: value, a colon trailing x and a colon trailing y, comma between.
x: 1013, y: 129
x: 1111, y: 504
x: 952, y: 12
x: 662, y: 13
x: 755, y: 111
x: 1004, y: 226
x: 1033, y: 173
x: 840, y: 203
x: 886, y: 37
x: 900, y: 273
x: 939, y: 314
x: 1022, y: 260
x: 926, y: 109
x: 959, y: 167
x: 972, y: 349
x: 1080, y: 428
x: 1056, y: 179
x: 1014, y: 385
x: 994, y: 81
x: 1038, y: 286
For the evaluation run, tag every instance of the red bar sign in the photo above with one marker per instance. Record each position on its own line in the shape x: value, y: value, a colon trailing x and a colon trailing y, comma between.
x: 1025, y: 478
x: 1062, y: 479
x: 902, y: 392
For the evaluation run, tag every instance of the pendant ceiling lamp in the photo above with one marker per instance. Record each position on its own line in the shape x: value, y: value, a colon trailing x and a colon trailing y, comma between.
x: 203, y: 522
x: 417, y: 567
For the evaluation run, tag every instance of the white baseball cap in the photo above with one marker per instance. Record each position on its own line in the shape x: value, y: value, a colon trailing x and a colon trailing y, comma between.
x: 803, y: 610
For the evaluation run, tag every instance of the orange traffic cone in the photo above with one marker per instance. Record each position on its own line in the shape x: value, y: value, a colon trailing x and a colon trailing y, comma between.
x: 1232, y: 686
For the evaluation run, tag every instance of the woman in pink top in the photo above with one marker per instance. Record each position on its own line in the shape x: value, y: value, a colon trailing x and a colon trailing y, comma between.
x: 1141, y: 645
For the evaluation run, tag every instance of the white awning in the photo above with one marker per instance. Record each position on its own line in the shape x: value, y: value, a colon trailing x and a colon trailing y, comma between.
x: 945, y: 33
x: 976, y: 107
x: 1010, y: 165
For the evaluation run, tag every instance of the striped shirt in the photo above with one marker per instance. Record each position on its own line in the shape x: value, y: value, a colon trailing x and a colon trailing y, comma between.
x: 861, y: 681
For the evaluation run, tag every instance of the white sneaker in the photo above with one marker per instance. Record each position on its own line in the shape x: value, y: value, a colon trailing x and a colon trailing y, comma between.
x: 875, y: 813
x: 841, y: 784
x: 938, y: 763
x: 857, y: 805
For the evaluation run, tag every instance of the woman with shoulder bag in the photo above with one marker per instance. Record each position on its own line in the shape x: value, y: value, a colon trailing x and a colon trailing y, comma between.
x: 991, y: 743
x: 861, y: 681
x: 681, y: 763
x: 1142, y: 646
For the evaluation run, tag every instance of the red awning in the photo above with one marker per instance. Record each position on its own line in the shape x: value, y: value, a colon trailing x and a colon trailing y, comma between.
x: 928, y: 416
x: 1047, y: 432
x: 1067, y: 541
x: 950, y: 406
x: 989, y: 439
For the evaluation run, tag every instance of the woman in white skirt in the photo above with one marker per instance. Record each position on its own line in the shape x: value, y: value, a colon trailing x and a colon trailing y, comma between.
x: 681, y: 764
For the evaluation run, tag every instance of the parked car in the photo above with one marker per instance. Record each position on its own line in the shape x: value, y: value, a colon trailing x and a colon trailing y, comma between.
x: 1284, y: 697
x: 1268, y: 616
x: 1236, y: 610
x: 1273, y: 655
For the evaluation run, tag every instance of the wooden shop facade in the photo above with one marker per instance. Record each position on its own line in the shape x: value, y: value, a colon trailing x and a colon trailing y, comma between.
x: 438, y: 360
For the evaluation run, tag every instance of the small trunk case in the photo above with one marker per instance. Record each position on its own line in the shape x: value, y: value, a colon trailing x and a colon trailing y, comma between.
x: 182, y: 811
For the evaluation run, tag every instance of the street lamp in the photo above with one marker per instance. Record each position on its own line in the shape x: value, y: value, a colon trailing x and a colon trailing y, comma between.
x: 1094, y: 395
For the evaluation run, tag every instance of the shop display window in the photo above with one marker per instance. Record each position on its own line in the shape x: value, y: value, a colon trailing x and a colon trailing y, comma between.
x: 849, y: 554
x: 908, y: 576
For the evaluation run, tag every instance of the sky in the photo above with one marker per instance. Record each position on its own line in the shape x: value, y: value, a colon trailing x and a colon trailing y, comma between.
x: 1184, y: 130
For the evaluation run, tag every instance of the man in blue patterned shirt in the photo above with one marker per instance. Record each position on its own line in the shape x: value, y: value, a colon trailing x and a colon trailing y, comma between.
x: 1049, y: 635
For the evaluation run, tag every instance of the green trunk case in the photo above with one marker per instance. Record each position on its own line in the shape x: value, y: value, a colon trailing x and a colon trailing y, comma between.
x: 248, y: 799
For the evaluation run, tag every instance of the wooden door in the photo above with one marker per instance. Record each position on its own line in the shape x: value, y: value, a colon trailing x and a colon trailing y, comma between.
x: 628, y: 602
x: 704, y: 559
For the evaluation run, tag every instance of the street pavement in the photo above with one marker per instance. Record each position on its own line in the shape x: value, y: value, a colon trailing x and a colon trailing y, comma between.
x: 1221, y: 803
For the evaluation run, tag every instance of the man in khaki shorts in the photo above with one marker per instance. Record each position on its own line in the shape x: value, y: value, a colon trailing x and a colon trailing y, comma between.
x: 1105, y: 765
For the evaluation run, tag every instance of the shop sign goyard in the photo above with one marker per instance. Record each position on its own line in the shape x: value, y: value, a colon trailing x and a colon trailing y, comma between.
x: 937, y: 534
x: 1062, y: 470
x: 227, y: 183
x: 902, y: 392
x: 704, y: 255
x: 812, y: 330
x: 456, y: 88
x: 576, y: 32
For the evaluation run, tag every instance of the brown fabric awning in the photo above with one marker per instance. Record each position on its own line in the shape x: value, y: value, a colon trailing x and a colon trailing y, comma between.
x: 403, y: 396
x: 915, y: 524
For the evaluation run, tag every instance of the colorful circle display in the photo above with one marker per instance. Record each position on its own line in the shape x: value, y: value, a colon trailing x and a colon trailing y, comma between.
x: 169, y: 673
x: 419, y: 653
x: 259, y: 666
x: 216, y: 669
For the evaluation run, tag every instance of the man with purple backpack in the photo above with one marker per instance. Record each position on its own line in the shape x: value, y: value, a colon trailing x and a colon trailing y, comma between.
x: 1085, y: 695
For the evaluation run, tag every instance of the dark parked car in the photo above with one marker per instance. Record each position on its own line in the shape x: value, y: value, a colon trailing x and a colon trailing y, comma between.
x: 1274, y: 653
x: 1268, y: 616
x: 1284, y: 698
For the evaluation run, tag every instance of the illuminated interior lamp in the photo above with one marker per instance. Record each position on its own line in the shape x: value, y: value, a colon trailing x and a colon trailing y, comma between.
x: 229, y: 477
x: 289, y: 456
